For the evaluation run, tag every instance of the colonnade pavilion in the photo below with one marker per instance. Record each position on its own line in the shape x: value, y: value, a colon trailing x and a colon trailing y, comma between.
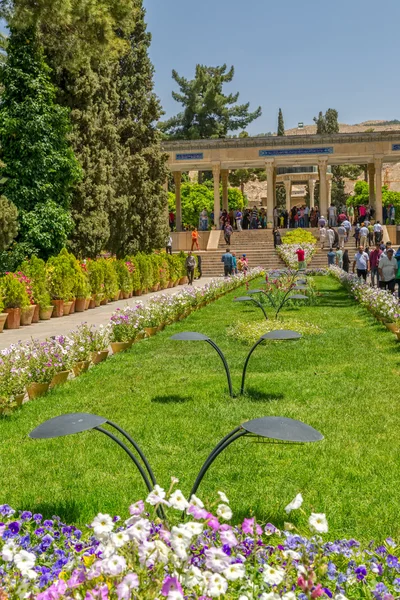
x: 287, y: 159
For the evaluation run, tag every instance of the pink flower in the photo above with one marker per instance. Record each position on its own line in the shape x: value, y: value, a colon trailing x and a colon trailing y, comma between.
x: 198, y: 513
x: 171, y: 584
x: 317, y: 591
x: 137, y: 508
x: 248, y: 527
x: 213, y: 522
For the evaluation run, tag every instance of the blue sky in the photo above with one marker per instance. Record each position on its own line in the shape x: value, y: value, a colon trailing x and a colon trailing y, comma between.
x: 300, y: 55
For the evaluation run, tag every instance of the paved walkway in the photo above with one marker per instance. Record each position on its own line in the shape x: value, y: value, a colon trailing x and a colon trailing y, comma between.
x: 95, y: 316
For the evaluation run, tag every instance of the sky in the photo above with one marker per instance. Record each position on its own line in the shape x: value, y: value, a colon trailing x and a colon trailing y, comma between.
x: 299, y: 55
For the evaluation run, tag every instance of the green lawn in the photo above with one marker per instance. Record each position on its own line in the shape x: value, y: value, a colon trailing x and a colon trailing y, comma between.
x: 171, y: 396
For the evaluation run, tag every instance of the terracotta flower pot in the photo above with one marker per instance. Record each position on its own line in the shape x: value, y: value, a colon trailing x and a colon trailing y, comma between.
x: 58, y: 308
x: 67, y: 308
x: 120, y: 346
x: 80, y: 367
x: 121, y: 295
x: 176, y: 282
x: 392, y: 327
x: 35, y: 390
x: 72, y: 309
x: 170, y: 284
x: 126, y: 295
x: 104, y: 301
x: 19, y: 398
x: 140, y: 336
x: 92, y: 303
x: 36, y: 315
x: 59, y: 378
x: 27, y: 315
x: 150, y: 331
x: 137, y: 292
x: 116, y: 296
x: 182, y: 281
x: 80, y: 304
x: 87, y: 303
x: 3, y: 319
x: 45, y: 313
x: 97, y: 301
x: 98, y: 357
x: 14, y: 318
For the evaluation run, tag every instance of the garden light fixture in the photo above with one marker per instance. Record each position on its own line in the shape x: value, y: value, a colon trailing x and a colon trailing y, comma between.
x: 193, y: 336
x: 278, y: 334
x: 277, y: 429
x: 250, y: 299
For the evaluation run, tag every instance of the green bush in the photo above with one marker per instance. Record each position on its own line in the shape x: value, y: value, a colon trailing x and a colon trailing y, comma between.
x: 60, y: 276
x: 123, y: 276
x: 110, y: 277
x: 35, y: 269
x: 299, y: 236
x: 134, y: 270
x: 13, y: 292
x: 96, y: 277
x: 146, y: 274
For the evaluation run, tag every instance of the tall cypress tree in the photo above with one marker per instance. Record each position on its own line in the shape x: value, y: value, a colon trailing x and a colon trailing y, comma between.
x: 138, y: 211
x: 281, y: 124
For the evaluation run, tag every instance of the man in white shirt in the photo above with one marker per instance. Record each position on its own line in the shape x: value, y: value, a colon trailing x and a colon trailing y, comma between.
x: 378, y: 229
x: 332, y: 215
x: 347, y: 225
x: 342, y: 235
x: 387, y: 269
x: 331, y: 237
x: 363, y: 235
x: 361, y: 260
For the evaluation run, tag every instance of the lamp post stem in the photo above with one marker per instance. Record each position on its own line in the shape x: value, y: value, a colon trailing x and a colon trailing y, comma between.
x: 228, y: 375
x: 260, y: 306
x: 247, y: 362
x: 231, y: 437
x: 137, y: 448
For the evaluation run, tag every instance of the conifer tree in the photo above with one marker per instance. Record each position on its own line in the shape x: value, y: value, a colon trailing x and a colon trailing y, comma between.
x: 281, y: 124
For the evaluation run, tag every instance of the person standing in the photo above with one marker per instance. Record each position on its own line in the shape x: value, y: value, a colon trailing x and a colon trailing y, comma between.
x: 171, y: 219
x: 306, y: 216
x: 190, y: 265
x: 227, y: 259
x: 238, y: 218
x: 199, y: 266
x: 392, y: 215
x: 370, y: 234
x: 195, y: 239
x: 361, y: 260
x: 339, y: 257
x: 387, y: 270
x: 350, y: 214
x: 331, y: 236
x: 322, y: 221
x: 346, y: 261
x: 277, y: 237
x: 322, y: 237
x: 363, y: 235
x: 342, y: 235
x: 203, y: 220
x: 254, y: 218
x: 228, y: 232
x: 168, y: 246
x: 347, y: 225
x: 378, y: 230
x: 356, y: 234
x: 332, y: 212
x: 276, y: 216
x: 245, y: 263
x: 234, y: 264
x: 263, y: 218
x: 300, y: 258
x: 362, y: 211
x: 374, y: 257
x: 331, y: 257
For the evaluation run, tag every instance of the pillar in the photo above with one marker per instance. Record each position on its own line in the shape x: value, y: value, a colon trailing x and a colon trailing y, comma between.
x: 378, y: 190
x: 216, y: 169
x: 311, y: 191
x: 288, y: 190
x: 224, y: 178
x: 269, y: 165
x: 323, y: 187
x: 178, y: 216
x: 329, y: 191
x: 371, y: 183
x: 165, y: 188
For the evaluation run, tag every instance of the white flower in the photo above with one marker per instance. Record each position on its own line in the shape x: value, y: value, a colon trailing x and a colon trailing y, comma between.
x: 175, y: 595
x: 192, y: 577
x: 294, y: 504
x: 124, y: 589
x: 339, y: 597
x: 9, y: 551
x: 115, y: 565
x: 196, y: 501
x: 291, y: 554
x: 234, y: 571
x: 180, y: 535
x: 161, y: 551
x: 180, y: 551
x: 273, y: 575
x: 270, y: 596
x: 223, y: 497
x: 156, y: 496
x: 24, y: 561
x: 318, y: 522
x: 194, y: 528
x: 224, y: 512
x: 119, y: 539
x: 177, y: 500
x: 216, y: 560
x: 102, y: 524
x: 139, y: 530
x: 217, y: 585
x: 174, y: 480
x: 289, y: 596
x: 228, y: 537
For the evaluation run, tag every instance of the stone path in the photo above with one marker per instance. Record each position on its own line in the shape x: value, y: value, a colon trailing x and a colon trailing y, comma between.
x: 96, y: 316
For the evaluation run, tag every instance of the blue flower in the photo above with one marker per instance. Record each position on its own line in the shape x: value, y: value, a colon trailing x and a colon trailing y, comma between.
x: 392, y: 561
x: 361, y: 572
x: 14, y: 527
x: 396, y: 584
x: 26, y: 515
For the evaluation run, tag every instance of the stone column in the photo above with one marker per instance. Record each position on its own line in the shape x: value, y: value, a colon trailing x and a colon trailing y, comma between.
x: 178, y: 216
x: 323, y: 187
x: 224, y: 178
x: 165, y: 188
x: 329, y: 190
x: 216, y: 169
x: 269, y: 165
x: 371, y: 183
x: 378, y: 190
x: 311, y: 190
x: 288, y: 190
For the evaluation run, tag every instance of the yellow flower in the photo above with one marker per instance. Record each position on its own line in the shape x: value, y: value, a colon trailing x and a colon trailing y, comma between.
x: 88, y: 560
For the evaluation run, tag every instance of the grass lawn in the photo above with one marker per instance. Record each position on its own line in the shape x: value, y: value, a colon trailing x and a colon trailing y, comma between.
x: 172, y: 398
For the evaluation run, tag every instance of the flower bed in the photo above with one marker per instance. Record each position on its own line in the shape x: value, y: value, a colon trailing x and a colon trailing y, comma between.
x: 202, y: 557
x: 287, y: 253
x: 37, y: 362
x: 381, y: 303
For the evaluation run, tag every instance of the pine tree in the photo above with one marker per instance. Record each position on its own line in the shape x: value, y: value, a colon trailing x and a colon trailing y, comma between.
x: 207, y: 112
x: 8, y: 222
x: 281, y: 124
x: 321, y: 123
x: 40, y: 167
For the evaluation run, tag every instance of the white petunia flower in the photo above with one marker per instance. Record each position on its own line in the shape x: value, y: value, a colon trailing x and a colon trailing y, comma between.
x: 24, y: 561
x: 291, y: 554
x: 193, y: 577
x: 175, y: 595
x: 196, y: 501
x: 119, y: 539
x: 273, y: 575
x: 318, y: 522
x: 139, y: 530
x: 180, y: 535
x: 177, y: 500
x: 224, y: 512
x: 289, y: 596
x: 217, y: 585
x: 270, y: 596
x: 194, y: 528
x: 339, y: 597
x: 156, y: 496
x: 223, y: 497
x: 216, y: 560
x: 9, y: 551
x: 294, y: 504
x: 234, y: 572
x: 115, y: 565
x: 102, y: 524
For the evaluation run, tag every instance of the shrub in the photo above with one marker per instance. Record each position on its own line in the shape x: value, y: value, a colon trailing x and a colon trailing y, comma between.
x: 14, y: 292
x: 134, y: 271
x: 35, y: 269
x: 96, y: 277
x: 110, y: 277
x: 299, y: 236
x: 123, y: 276
x: 145, y: 270
x: 60, y: 276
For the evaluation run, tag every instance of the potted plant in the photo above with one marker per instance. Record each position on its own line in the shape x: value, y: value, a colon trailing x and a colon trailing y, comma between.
x: 62, y: 360
x: 35, y: 269
x: 96, y: 280
x: 13, y: 376
x: 81, y: 289
x: 124, y: 278
x: 15, y: 298
x: 60, y: 277
x: 41, y: 367
x: 134, y: 269
x: 142, y: 260
x: 111, y: 291
x: 80, y: 349
x: 3, y: 315
x: 27, y: 312
x: 151, y: 320
x: 99, y: 340
x: 124, y: 327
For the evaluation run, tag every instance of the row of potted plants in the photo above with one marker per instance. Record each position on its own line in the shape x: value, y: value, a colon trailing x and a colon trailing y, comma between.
x: 380, y: 303
x: 64, y: 285
x: 36, y: 366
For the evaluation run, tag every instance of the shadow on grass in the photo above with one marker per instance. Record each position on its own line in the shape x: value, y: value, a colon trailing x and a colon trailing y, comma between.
x: 254, y: 395
x: 171, y: 399
x: 338, y: 297
x: 68, y: 511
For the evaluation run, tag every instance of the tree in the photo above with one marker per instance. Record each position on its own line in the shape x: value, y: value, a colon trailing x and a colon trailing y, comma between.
x: 40, y: 167
x: 8, y: 222
x: 207, y: 111
x: 327, y: 123
x: 239, y: 177
x: 281, y: 124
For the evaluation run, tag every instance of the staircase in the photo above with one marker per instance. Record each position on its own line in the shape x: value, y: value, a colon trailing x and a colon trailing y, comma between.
x: 257, y: 244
